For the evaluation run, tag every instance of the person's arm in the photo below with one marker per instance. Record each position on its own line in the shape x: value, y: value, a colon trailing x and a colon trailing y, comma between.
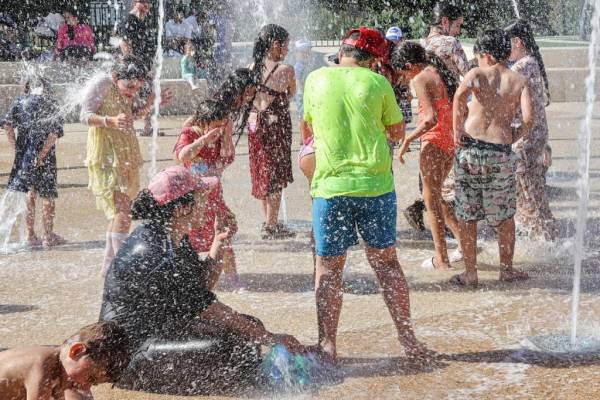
x: 125, y: 47
x: 61, y: 38
x: 396, y: 132
x: 92, y: 103
x: 460, y: 109
x: 291, y: 77
x: 227, y: 145
x: 427, y: 115
x: 146, y: 105
x: 527, y: 112
x: 189, y: 152
x: 391, y: 117
x: 88, y: 38
x: 48, y: 143
x: 459, y: 57
x: 305, y: 130
x: 10, y: 135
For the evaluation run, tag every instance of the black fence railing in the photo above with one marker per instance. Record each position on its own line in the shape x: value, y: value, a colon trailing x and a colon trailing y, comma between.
x: 103, y: 19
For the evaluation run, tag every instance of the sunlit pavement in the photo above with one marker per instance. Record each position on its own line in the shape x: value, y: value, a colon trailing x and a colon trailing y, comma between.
x: 45, y: 296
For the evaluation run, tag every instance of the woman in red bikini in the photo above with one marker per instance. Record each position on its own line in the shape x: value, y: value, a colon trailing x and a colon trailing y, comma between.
x: 270, y: 126
x: 434, y: 85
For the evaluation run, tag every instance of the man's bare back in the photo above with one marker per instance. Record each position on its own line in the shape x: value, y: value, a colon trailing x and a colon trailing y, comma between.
x: 497, y: 94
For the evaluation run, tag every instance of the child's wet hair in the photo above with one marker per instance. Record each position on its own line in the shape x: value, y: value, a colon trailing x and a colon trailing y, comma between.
x: 129, y: 67
x: 521, y: 28
x: 268, y: 35
x: 36, y: 81
x: 494, y: 42
x: 413, y: 53
x: 106, y: 343
x: 235, y: 85
x: 210, y: 111
x: 445, y: 9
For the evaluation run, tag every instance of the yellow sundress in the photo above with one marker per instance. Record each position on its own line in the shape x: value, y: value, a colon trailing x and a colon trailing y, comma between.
x: 113, y: 157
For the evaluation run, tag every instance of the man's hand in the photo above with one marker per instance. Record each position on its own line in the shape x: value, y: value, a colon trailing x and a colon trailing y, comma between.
x: 403, y: 149
x: 459, y: 138
x: 290, y: 342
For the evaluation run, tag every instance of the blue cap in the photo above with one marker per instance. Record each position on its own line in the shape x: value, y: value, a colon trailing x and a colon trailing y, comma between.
x: 302, y: 45
x: 394, y: 33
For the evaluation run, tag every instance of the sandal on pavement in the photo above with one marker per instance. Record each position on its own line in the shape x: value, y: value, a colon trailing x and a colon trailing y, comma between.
x: 53, y: 240
x: 458, y: 280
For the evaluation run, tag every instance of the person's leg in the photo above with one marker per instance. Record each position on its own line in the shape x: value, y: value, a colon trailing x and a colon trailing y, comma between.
x: 468, y: 235
x: 121, y: 221
x: 329, y: 296
x: 32, y: 239
x: 273, y: 202
x: 334, y: 232
x: 448, y: 210
x: 395, y: 294
x: 506, y: 244
x: 433, y: 165
x: 48, y: 209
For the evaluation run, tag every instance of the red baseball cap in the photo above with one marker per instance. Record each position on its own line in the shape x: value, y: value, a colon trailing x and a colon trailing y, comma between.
x: 173, y: 182
x: 369, y: 40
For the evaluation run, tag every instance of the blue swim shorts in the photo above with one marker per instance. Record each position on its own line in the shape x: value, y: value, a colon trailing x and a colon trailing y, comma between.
x: 336, y: 220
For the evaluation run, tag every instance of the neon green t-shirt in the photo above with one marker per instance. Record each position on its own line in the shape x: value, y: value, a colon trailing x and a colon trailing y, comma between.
x: 348, y: 109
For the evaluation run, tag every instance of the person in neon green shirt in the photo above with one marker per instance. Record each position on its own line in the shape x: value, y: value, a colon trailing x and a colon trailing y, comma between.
x: 352, y: 112
x: 348, y: 109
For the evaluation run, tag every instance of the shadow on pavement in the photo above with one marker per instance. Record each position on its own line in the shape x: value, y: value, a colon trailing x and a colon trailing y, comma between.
x: 524, y: 356
x: 15, y: 308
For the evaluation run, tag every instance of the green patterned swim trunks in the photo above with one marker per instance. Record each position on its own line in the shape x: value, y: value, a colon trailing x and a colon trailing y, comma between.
x: 485, y: 182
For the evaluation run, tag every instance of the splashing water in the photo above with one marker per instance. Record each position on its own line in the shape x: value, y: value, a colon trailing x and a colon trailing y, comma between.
x: 583, y: 183
x: 156, y: 84
x: 516, y: 8
x: 13, y: 207
x: 294, y: 373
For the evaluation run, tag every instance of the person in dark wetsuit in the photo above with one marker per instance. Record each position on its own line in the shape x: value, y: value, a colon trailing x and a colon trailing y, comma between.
x: 157, y: 286
x: 270, y: 127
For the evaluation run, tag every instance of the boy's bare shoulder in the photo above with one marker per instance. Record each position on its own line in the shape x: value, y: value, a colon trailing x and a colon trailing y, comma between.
x: 18, y: 363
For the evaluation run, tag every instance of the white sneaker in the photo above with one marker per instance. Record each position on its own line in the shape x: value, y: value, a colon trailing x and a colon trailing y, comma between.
x: 455, y: 256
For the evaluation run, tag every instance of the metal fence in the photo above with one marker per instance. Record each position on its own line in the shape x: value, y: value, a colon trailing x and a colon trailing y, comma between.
x: 103, y: 19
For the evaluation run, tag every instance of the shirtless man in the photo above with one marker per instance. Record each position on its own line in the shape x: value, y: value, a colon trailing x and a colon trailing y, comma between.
x: 485, y: 164
x: 96, y: 354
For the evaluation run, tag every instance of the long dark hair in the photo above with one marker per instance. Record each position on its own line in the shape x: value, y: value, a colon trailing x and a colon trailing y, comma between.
x: 414, y: 53
x: 232, y: 88
x: 445, y: 9
x: 268, y: 35
x: 521, y: 29
x: 145, y: 207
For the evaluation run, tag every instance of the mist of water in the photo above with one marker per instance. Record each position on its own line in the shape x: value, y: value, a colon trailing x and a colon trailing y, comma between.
x: 585, y: 141
x: 516, y: 8
x: 13, y: 208
x: 157, y: 90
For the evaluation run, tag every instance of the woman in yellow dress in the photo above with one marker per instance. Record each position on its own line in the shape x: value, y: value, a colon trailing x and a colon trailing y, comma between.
x: 113, y: 152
